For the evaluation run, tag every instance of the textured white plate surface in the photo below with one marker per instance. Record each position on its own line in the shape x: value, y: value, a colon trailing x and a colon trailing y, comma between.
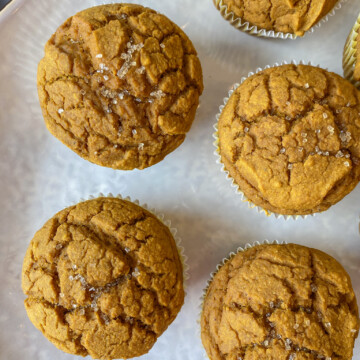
x: 40, y: 176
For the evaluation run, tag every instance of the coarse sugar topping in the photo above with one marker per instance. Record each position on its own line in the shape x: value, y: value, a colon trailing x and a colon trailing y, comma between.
x: 130, y: 53
x: 307, y: 137
x: 262, y: 304
x: 95, y: 271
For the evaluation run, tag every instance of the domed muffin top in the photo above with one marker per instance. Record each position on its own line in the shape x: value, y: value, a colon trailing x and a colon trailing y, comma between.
x: 103, y: 278
x: 283, y: 302
x: 120, y: 84
x: 290, y: 138
x: 286, y: 16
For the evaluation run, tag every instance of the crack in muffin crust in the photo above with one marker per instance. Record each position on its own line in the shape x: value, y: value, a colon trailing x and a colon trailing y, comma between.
x: 300, y: 306
x: 103, y: 278
x: 289, y: 136
x: 120, y: 84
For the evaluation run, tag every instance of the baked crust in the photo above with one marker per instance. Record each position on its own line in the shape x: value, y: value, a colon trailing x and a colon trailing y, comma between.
x: 120, y: 84
x: 290, y: 138
x: 280, y: 302
x: 286, y: 16
x: 103, y: 278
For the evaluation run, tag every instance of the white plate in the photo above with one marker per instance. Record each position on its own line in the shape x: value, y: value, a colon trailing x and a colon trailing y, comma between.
x: 40, y: 176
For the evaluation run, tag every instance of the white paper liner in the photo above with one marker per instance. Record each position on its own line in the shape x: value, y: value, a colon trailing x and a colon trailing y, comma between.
x: 245, y: 26
x: 349, y: 55
x: 160, y: 217
x: 218, y: 267
x: 216, y: 143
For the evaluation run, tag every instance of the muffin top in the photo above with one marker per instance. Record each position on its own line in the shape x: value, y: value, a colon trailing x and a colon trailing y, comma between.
x: 103, y: 278
x: 280, y: 302
x: 120, y: 84
x: 290, y: 138
x: 287, y: 16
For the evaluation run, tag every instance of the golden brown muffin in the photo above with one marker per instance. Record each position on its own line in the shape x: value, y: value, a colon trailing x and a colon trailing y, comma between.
x: 280, y: 302
x: 103, y: 278
x: 290, y: 138
x: 120, y: 84
x: 286, y: 16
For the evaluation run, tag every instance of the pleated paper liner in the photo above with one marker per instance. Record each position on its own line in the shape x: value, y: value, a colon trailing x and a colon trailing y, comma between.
x: 162, y: 219
x: 250, y: 29
x: 217, y: 151
x: 218, y: 267
x: 349, y: 55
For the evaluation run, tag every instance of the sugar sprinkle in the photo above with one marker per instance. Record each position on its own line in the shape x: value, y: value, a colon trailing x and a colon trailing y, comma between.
x: 128, y: 59
x: 331, y: 130
x: 288, y: 344
x: 339, y: 154
x: 136, y: 272
x: 157, y: 94
x: 140, y: 70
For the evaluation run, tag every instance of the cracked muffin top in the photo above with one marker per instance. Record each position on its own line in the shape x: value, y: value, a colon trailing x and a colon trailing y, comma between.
x: 290, y: 138
x: 286, y: 16
x: 103, y: 278
x: 120, y: 84
x: 280, y: 302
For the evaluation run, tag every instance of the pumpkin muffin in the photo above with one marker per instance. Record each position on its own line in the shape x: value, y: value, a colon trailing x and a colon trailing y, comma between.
x: 119, y: 84
x: 289, y: 136
x: 103, y: 278
x: 284, y: 16
x: 351, y: 57
x: 280, y: 302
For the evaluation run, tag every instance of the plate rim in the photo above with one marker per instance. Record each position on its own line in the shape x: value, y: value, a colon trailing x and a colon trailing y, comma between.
x: 10, y: 9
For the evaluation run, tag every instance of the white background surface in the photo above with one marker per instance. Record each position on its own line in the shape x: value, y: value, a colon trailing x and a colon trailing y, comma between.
x: 40, y: 176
